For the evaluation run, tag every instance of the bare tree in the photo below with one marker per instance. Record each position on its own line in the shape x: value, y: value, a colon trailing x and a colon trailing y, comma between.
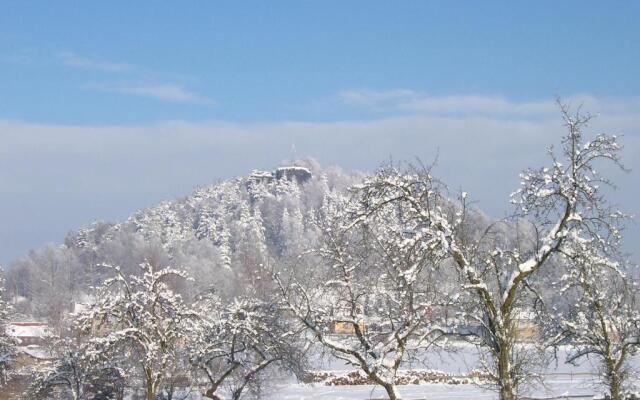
x: 144, y: 318
x: 238, y: 340
x: 557, y: 200
x: 604, y: 322
x: 52, y: 281
x: 376, y: 284
x: 76, y: 372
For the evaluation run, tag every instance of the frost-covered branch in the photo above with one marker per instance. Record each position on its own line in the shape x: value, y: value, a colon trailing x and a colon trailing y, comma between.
x: 237, y: 340
x: 495, y: 265
x: 602, y: 320
x: 377, y: 301
x: 141, y: 315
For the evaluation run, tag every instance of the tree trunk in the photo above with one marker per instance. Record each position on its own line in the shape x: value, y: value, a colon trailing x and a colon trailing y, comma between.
x: 151, y: 393
x: 211, y: 393
x: 391, y: 390
x: 615, y: 386
x: 507, y: 390
x: 506, y: 393
x: 237, y: 393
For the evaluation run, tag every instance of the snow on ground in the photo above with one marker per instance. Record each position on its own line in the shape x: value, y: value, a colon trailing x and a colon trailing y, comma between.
x: 411, y: 392
x: 557, y: 386
x: 574, y: 386
x: 560, y: 379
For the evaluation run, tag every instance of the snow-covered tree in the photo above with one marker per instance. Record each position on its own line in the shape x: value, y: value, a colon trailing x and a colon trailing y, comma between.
x: 144, y: 318
x: 7, y: 349
x: 238, y: 341
x: 557, y: 200
x: 377, y: 282
x: 207, y: 223
x: 603, y: 323
x: 168, y: 221
x: 76, y: 372
x: 53, y: 282
x: 225, y: 248
x: 292, y: 231
x: 250, y: 249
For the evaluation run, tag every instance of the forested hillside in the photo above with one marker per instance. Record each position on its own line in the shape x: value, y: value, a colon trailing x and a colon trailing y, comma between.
x: 219, y: 234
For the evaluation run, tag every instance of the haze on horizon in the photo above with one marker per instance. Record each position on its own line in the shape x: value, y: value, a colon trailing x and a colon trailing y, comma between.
x: 104, y: 112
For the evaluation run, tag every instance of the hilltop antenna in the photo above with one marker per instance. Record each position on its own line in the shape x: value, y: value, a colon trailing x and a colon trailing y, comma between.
x: 294, y: 153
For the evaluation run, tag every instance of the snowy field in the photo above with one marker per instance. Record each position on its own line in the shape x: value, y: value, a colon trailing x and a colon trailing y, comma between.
x: 560, y: 380
x: 562, y: 385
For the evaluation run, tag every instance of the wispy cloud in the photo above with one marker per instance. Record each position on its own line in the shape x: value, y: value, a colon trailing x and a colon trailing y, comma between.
x: 74, y: 60
x: 377, y: 98
x: 162, y: 91
x: 165, y: 92
x: 405, y: 101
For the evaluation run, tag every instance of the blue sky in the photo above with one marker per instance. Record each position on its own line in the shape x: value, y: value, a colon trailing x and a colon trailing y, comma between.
x: 132, y: 62
x: 106, y: 107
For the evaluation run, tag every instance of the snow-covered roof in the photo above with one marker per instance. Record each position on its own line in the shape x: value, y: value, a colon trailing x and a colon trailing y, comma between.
x: 28, y: 329
x: 261, y: 174
x: 34, y: 351
x: 300, y: 174
x: 294, y: 169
